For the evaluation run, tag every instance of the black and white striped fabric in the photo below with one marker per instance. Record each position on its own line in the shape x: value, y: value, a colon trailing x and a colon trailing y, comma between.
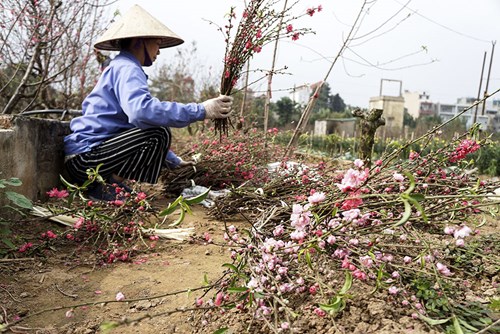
x: 136, y: 154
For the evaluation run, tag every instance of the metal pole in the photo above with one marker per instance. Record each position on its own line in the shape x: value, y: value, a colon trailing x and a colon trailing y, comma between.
x: 488, y: 78
x: 480, y: 84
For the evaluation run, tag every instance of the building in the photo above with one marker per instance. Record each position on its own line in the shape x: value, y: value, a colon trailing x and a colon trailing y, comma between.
x: 418, y: 104
x: 488, y: 118
x: 393, y: 107
x: 301, y: 94
x: 345, y: 127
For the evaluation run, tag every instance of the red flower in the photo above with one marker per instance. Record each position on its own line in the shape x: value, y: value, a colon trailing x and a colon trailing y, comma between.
x: 310, y: 11
x: 295, y: 36
x: 289, y: 28
x: 320, y: 8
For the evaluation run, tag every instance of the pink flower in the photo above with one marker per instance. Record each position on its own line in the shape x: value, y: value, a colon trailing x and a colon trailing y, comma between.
x: 285, y: 325
x: 319, y: 312
x: 449, y: 230
x: 460, y: 242
x: 393, y: 290
x: 79, y: 223
x: 316, y: 198
x: 443, y: 269
x: 278, y: 230
x: 366, y: 261
x: 25, y: 247
x: 462, y: 232
x: 300, y: 217
x: 70, y: 313
x: 331, y: 239
x: 219, y: 298
x: 199, y: 302
x: 51, y: 235
x: 358, y: 163
x: 352, y: 179
x: 289, y: 28
x: 320, y: 8
x: 361, y: 275
x: 310, y: 11
x: 398, y: 177
x: 141, y: 196
x: 413, y: 155
x: 295, y: 36
x: 407, y: 259
x: 57, y: 193
x: 350, y: 215
x: 119, y: 297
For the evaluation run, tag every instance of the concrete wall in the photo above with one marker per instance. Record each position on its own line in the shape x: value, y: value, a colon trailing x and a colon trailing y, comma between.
x: 32, y: 150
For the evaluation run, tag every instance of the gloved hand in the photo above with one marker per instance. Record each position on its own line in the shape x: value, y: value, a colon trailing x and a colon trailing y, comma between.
x: 219, y: 107
x: 185, y: 163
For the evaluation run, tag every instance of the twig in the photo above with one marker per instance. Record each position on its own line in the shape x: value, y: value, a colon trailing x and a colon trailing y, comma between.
x: 64, y: 293
x: 11, y: 296
x: 485, y: 329
x: 18, y: 260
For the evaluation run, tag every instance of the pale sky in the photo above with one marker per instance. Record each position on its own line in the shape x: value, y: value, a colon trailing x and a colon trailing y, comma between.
x: 455, y: 33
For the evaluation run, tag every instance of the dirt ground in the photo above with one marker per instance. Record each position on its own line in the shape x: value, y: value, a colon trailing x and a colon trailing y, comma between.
x: 60, y: 281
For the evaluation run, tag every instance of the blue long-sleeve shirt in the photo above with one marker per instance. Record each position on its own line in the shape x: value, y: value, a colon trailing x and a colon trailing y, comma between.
x: 120, y: 101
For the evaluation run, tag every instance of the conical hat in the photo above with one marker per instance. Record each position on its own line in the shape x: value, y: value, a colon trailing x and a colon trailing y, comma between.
x: 137, y: 23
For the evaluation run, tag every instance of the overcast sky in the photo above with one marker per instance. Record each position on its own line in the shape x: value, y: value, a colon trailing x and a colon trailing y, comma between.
x: 454, y: 33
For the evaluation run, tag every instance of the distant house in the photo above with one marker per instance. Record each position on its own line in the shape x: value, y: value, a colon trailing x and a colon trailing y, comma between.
x: 418, y: 104
x: 345, y: 127
x: 301, y: 94
x: 393, y: 107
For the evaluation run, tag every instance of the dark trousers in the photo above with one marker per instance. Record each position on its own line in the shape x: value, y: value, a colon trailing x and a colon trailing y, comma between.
x: 135, y: 154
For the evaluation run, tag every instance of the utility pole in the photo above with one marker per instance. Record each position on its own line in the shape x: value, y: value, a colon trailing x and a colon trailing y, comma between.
x: 488, y: 78
x: 479, y: 91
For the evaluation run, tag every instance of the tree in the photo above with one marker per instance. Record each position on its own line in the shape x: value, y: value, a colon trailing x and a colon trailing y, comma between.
x: 324, y: 100
x: 287, y: 111
x: 338, y: 104
x: 45, y: 49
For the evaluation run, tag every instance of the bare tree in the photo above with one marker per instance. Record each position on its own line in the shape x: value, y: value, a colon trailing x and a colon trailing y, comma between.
x: 45, y: 49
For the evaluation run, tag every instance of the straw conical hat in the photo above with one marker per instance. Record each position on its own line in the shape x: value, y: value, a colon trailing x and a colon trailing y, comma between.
x: 137, y: 23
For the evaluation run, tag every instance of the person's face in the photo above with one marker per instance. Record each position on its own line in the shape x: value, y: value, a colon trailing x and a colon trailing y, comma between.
x: 152, y: 46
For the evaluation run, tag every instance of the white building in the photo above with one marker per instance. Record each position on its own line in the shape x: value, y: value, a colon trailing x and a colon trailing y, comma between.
x: 418, y: 104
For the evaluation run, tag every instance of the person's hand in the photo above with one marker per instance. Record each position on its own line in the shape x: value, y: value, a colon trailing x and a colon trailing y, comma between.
x: 219, y: 107
x: 185, y: 163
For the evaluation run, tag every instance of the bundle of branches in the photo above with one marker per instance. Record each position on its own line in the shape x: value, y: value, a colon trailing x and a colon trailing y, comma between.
x: 260, y: 24
x: 229, y: 162
x: 408, y: 229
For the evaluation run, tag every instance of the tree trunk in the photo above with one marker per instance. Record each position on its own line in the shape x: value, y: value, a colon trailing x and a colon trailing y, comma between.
x: 370, y: 121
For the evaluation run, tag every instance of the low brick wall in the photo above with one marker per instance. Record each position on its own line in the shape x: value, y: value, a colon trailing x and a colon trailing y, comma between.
x: 32, y: 149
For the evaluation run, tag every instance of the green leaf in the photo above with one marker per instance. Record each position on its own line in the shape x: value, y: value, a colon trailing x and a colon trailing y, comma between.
x: 433, y: 322
x: 19, y: 200
x: 8, y: 243
x: 230, y: 266
x: 171, y: 207
x: 106, y: 326
x: 347, y: 283
x: 468, y: 326
x: 412, y: 182
x: 67, y: 184
x: 456, y: 326
x: 179, y: 220
x: 407, y: 213
x: 221, y: 331
x: 195, y: 200
x: 417, y: 197
x: 334, y: 211
x: 335, y: 306
x: 308, y: 259
x: 13, y: 181
x: 237, y: 289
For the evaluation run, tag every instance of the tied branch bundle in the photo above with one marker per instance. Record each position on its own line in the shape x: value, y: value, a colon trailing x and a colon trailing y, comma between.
x: 260, y: 24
